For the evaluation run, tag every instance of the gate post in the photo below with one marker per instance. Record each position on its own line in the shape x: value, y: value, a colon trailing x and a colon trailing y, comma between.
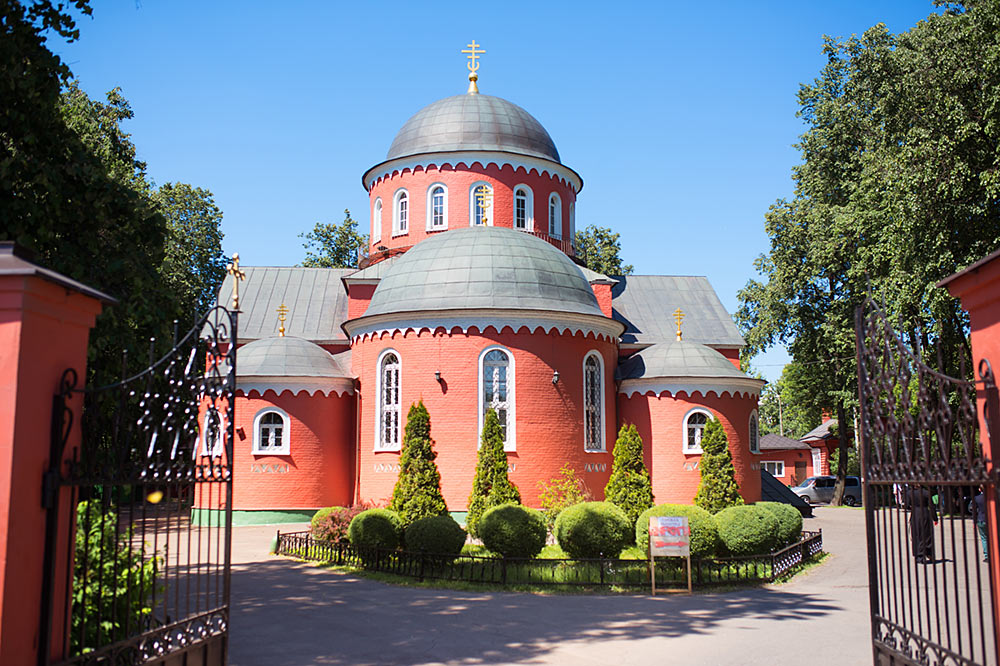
x: 45, y: 322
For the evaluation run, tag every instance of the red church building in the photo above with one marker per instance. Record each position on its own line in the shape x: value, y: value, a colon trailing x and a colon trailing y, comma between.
x: 471, y: 299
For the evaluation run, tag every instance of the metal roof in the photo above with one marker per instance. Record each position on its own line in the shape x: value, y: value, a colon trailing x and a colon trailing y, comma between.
x: 645, y: 304
x: 13, y: 261
x: 822, y: 431
x: 373, y: 272
x: 775, y: 442
x: 473, y: 122
x: 677, y: 359
x: 315, y: 298
x: 289, y: 357
x: 484, y: 267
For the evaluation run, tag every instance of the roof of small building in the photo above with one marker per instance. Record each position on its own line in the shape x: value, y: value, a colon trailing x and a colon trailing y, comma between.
x: 288, y: 356
x: 822, y: 431
x: 775, y: 442
x: 473, y: 122
x: 484, y: 268
x: 677, y: 359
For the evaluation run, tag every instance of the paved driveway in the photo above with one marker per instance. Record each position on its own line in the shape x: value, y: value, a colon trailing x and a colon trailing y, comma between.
x: 285, y: 612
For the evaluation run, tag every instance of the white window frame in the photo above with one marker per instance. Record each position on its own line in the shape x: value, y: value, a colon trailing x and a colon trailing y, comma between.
x: 753, y: 428
x: 380, y: 444
x: 286, y: 433
x: 555, y: 220
x: 400, y: 222
x: 779, y: 464
x: 599, y: 408
x: 472, y: 203
x: 377, y: 220
x: 529, y: 209
x: 684, y: 429
x: 217, y: 450
x: 430, y: 208
x: 511, y: 443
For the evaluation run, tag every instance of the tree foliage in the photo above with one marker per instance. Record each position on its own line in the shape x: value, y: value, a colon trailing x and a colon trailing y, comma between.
x: 563, y: 490
x: 629, y: 487
x: 418, y: 489
x: 799, y: 410
x: 598, y: 248
x: 331, y: 245
x: 718, y: 489
x: 491, y: 486
x: 897, y: 190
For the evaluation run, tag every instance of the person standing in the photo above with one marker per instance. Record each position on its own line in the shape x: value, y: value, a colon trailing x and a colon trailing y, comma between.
x: 923, y: 517
x: 979, y: 516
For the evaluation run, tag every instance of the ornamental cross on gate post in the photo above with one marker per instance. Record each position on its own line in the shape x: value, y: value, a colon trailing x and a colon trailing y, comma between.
x: 678, y: 317
x: 483, y: 197
x: 238, y: 274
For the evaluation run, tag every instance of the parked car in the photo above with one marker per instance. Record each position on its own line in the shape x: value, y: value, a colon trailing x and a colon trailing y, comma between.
x: 819, y: 490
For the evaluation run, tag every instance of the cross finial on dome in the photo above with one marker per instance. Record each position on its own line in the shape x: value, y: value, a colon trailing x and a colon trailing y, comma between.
x: 282, y: 314
x: 678, y: 317
x: 474, y: 50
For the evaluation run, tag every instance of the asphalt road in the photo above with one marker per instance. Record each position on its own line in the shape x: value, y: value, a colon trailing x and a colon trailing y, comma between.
x: 286, y: 612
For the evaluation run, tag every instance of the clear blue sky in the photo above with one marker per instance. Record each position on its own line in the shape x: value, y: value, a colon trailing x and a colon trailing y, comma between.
x: 679, y: 116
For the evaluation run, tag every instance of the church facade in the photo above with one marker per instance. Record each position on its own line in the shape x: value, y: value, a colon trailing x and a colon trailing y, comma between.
x: 471, y: 300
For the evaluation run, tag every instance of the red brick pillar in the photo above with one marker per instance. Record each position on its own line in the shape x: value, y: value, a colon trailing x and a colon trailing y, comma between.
x: 978, y: 286
x: 45, y: 321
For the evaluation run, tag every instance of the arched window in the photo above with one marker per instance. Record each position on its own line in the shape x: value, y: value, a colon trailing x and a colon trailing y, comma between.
x: 754, y: 434
x: 593, y: 403
x: 212, y: 434
x: 401, y: 213
x: 271, y: 432
x: 377, y: 221
x: 523, y: 208
x: 480, y: 204
x: 694, y: 426
x: 496, y: 391
x: 387, y: 436
x: 555, y: 216
x: 437, y: 207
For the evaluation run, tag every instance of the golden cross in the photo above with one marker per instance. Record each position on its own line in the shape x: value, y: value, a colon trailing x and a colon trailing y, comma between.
x: 678, y: 317
x: 238, y: 274
x: 282, y: 311
x: 483, y: 196
x: 473, y: 55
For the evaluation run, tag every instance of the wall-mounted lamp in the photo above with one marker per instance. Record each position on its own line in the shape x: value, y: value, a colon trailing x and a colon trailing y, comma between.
x: 437, y: 375
x: 382, y: 248
x: 555, y: 376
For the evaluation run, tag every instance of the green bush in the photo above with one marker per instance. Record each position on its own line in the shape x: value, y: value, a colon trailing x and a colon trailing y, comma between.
x: 513, y: 530
x: 437, y: 535
x: 375, y: 528
x: 718, y: 489
x: 704, y: 533
x: 789, y: 521
x: 747, y: 530
x: 418, y: 488
x: 491, y: 486
x: 330, y: 524
x: 593, y: 529
x: 629, y: 487
x: 561, y: 491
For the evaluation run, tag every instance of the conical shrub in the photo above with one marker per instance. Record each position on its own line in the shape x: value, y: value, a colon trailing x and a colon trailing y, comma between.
x: 418, y: 489
x: 491, y: 487
x: 629, y: 487
x: 718, y: 489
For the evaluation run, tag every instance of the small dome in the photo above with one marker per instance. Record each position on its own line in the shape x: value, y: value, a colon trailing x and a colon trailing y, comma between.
x: 473, y: 122
x: 677, y: 359
x: 286, y: 357
x: 484, y: 267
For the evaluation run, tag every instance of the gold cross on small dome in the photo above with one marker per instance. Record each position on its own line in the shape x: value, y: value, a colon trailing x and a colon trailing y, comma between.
x: 238, y: 274
x: 282, y: 312
x: 474, y: 50
x: 678, y: 317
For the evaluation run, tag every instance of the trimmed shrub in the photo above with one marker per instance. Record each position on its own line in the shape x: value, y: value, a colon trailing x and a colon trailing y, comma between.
x: 437, y: 535
x: 789, y: 521
x: 629, y: 487
x: 513, y: 530
x: 491, y: 487
x: 561, y: 491
x: 704, y: 533
x: 747, y: 530
x: 418, y: 488
x: 718, y: 488
x: 375, y: 528
x: 593, y: 529
x: 330, y: 524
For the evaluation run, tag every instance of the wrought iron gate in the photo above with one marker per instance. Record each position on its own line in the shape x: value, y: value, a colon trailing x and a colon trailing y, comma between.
x: 923, y: 465
x: 143, y: 506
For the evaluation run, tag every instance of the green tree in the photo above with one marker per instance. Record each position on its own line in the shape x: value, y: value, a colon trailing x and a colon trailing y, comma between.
x: 718, y: 489
x: 194, y: 265
x: 418, y: 489
x: 791, y: 406
x: 563, y: 490
x: 629, y: 487
x: 598, y: 248
x: 491, y: 486
x: 331, y: 245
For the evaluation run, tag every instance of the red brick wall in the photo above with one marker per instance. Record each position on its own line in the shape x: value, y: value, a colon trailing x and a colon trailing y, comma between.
x: 549, y: 417
x: 603, y: 294
x: 359, y: 296
x: 675, y: 474
x: 789, y: 457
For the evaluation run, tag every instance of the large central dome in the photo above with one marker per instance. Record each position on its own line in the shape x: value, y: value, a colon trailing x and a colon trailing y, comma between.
x: 473, y: 122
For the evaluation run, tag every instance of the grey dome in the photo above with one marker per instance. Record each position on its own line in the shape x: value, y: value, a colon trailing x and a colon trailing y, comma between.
x: 286, y: 357
x: 473, y: 122
x: 677, y: 359
x: 483, y: 267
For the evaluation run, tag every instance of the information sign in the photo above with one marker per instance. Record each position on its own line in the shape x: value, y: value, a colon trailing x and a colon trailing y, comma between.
x: 669, y: 536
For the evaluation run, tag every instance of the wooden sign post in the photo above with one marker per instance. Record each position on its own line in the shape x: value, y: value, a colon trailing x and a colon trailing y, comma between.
x: 669, y: 536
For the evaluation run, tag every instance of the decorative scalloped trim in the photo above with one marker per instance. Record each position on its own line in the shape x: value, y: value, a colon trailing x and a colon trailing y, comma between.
x: 403, y: 165
x: 721, y: 389
x: 465, y: 327
x: 260, y: 394
x: 295, y: 386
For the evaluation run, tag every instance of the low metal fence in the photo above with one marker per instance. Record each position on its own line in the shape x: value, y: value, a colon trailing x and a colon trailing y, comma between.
x: 599, y: 573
